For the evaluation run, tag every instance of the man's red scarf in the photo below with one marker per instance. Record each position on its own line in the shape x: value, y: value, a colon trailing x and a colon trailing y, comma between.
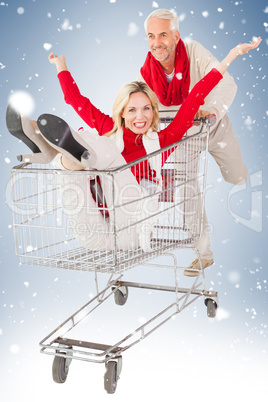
x: 176, y: 91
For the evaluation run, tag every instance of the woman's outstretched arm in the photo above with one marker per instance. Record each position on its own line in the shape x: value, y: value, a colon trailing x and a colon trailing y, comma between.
x: 92, y: 116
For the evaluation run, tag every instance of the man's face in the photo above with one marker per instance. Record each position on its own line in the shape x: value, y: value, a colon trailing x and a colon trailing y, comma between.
x: 162, y: 41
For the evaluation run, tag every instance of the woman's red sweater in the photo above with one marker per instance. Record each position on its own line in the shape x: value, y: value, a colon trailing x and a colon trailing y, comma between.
x: 134, y: 149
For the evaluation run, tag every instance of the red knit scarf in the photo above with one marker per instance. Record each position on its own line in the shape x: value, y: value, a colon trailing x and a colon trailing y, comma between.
x: 176, y: 91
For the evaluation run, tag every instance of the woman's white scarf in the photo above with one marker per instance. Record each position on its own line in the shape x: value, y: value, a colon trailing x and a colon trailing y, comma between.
x: 146, y: 214
x: 151, y: 144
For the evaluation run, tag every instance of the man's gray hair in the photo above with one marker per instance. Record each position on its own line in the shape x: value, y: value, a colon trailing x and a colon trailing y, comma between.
x: 165, y: 15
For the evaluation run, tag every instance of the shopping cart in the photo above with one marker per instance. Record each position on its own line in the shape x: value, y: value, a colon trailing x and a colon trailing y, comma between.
x: 51, y: 219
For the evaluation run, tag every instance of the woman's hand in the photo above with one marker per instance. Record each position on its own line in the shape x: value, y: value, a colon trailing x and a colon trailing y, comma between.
x: 59, y: 62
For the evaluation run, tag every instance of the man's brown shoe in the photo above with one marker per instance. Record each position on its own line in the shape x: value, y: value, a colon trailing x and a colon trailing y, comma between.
x: 194, y: 267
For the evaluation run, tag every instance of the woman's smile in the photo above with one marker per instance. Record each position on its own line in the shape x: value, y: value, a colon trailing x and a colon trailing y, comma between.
x: 138, y: 113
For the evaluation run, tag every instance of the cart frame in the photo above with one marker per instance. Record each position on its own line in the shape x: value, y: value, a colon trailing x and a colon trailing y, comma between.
x: 66, y: 349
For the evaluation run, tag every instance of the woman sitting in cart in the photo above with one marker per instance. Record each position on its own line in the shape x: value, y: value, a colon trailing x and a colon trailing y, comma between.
x: 129, y: 134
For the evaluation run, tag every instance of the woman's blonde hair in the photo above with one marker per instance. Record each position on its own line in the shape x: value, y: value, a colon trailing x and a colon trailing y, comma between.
x: 122, y: 99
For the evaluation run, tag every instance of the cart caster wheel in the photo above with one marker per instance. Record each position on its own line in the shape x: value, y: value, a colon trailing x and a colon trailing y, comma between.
x: 110, y: 377
x: 121, y: 295
x: 60, y: 369
x: 211, y: 307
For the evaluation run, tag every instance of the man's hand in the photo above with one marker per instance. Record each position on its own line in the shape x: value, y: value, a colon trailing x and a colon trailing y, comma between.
x: 59, y: 62
x: 200, y: 114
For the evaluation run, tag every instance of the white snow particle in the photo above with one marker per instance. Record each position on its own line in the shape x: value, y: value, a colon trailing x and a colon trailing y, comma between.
x: 182, y: 17
x: 49, y: 15
x: 14, y: 349
x: 179, y: 76
x: 234, y: 276
x: 47, y: 46
x: 20, y: 10
x: 112, y: 1
x: 222, y: 144
x: 43, y: 122
x: 266, y: 10
x: 133, y: 29
x: 22, y: 102
x: 2, y: 66
x: 221, y: 26
x: 155, y: 4
x: 66, y: 25
x: 222, y: 314
x: 220, y: 10
x: 142, y: 320
x: 248, y: 123
x: 7, y: 160
x: 187, y: 39
x: 205, y: 14
x: 29, y: 249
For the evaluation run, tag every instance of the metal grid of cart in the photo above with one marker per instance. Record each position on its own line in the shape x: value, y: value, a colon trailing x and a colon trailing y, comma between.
x: 53, y: 227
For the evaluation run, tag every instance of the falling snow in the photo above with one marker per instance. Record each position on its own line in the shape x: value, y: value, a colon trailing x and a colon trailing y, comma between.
x: 23, y: 102
x: 66, y: 26
x: 179, y: 76
x: 240, y: 278
x: 47, y: 46
x: 205, y: 14
x: 14, y: 349
x: 20, y: 10
x: 133, y: 29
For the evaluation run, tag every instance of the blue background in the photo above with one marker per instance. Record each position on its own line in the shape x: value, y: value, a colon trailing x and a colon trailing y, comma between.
x: 193, y: 356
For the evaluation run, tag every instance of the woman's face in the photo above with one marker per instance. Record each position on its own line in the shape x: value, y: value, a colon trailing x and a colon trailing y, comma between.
x: 138, y: 113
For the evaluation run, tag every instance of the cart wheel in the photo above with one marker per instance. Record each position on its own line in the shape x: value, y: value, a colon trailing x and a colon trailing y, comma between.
x: 59, y: 369
x: 211, y: 307
x: 121, y: 295
x: 110, y: 377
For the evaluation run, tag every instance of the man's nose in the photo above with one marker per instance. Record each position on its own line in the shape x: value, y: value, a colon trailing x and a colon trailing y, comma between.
x: 157, y: 42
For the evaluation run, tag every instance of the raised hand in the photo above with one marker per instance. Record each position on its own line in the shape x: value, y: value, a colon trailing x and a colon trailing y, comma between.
x: 240, y: 49
x: 243, y: 48
x: 59, y: 62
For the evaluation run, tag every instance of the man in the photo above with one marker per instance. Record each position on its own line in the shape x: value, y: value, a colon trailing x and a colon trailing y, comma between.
x: 171, y: 69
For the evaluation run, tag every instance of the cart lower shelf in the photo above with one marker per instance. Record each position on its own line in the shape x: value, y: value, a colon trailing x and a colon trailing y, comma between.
x: 65, y: 349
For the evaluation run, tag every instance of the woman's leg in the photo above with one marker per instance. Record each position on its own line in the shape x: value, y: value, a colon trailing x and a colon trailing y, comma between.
x: 129, y: 210
x: 123, y: 195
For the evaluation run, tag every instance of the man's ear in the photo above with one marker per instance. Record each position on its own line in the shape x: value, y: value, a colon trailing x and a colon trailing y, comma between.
x: 177, y: 37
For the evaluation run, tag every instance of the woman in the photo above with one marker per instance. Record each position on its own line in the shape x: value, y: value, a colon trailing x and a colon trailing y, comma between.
x: 132, y: 130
